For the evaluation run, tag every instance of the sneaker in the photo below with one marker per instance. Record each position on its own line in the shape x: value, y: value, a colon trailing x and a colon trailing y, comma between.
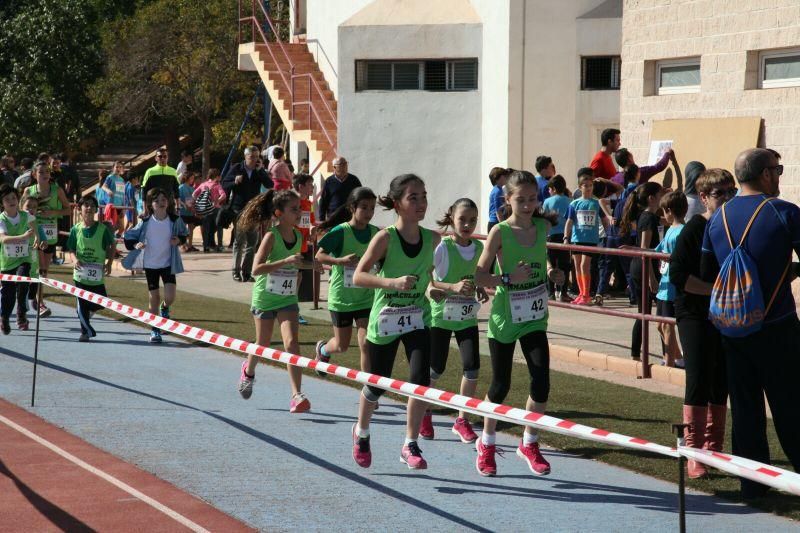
x: 83, y: 338
x: 6, y: 326
x: 463, y: 429
x: 583, y: 300
x: 155, y: 337
x: 299, y: 404
x: 163, y: 311
x: 44, y: 311
x: 362, y: 455
x: 22, y: 323
x: 598, y: 300
x: 531, y: 454
x: 321, y: 358
x: 237, y: 276
x: 246, y: 382
x: 426, y: 426
x: 485, y: 463
x: 412, y: 456
x: 680, y: 363
x: 302, y: 321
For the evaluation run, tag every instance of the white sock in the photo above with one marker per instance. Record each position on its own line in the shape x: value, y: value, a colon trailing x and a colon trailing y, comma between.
x: 488, y: 439
x: 529, y: 438
x: 362, y: 433
x: 409, y: 441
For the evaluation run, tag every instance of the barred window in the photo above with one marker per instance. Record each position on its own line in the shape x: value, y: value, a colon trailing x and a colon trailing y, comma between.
x: 428, y: 75
x: 600, y: 73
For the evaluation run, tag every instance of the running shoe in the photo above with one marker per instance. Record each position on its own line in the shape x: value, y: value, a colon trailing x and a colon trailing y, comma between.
x: 6, y: 326
x: 362, y: 455
x: 155, y: 336
x: 321, y: 358
x: 299, y: 404
x: 484, y: 462
x: 426, y: 426
x: 83, y: 338
x: 246, y: 382
x: 44, y: 311
x: 302, y: 321
x: 412, y: 456
x: 531, y: 454
x: 463, y: 429
x: 22, y: 323
x: 163, y: 311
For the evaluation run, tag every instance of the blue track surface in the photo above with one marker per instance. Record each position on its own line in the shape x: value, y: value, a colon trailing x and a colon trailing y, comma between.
x: 174, y: 411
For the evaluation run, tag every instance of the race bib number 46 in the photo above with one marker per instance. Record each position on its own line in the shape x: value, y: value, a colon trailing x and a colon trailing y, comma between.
x: 16, y: 250
x: 89, y: 272
x: 282, y: 282
x: 587, y: 218
x: 460, y: 309
x: 530, y: 305
x: 399, y: 320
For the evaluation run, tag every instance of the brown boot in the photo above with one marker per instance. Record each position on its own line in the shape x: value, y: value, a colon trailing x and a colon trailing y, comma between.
x: 715, y: 427
x: 694, y: 437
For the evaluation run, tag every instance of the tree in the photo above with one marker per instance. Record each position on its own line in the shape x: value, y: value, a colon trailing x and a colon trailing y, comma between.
x: 171, y: 63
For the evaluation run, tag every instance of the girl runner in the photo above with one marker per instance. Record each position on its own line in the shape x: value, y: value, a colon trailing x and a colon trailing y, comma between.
x: 53, y: 204
x: 275, y: 290
x: 400, y: 311
x: 454, y: 308
x: 154, y: 248
x: 31, y: 205
x: 17, y: 233
x: 519, y: 313
x: 342, y: 248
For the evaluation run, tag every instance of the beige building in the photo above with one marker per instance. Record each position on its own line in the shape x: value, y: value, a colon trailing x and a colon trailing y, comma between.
x: 694, y: 59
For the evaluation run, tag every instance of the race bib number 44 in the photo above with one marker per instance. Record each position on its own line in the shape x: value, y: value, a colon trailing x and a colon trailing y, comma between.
x: 586, y: 218
x: 16, y: 250
x: 530, y: 305
x: 399, y: 320
x: 282, y: 282
x: 89, y: 272
x: 460, y: 309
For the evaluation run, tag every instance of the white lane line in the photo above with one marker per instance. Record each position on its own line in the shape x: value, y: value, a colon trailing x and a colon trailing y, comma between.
x: 108, y: 477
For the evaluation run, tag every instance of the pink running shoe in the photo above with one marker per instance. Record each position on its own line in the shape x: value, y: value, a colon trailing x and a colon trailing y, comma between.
x: 533, y: 456
x: 412, y: 456
x: 299, y: 404
x: 245, y: 382
x: 426, y: 426
x: 485, y: 463
x: 463, y: 429
x: 361, y: 452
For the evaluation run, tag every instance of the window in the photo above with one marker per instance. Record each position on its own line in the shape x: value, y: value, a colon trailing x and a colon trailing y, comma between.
x: 677, y: 76
x: 430, y: 75
x: 779, y: 69
x: 600, y: 73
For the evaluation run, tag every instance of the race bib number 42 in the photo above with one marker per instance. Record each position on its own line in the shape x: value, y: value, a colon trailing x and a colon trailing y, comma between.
x: 399, y: 320
x: 282, y: 282
x: 530, y: 305
x: 586, y: 218
x: 460, y: 309
x: 15, y: 250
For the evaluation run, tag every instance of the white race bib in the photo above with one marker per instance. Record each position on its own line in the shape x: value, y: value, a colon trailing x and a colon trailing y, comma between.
x: 50, y: 231
x: 89, y: 272
x: 529, y: 305
x: 460, y: 309
x: 587, y: 218
x: 282, y: 282
x: 15, y: 250
x: 348, y: 276
x: 663, y: 267
x: 399, y: 320
x: 305, y: 219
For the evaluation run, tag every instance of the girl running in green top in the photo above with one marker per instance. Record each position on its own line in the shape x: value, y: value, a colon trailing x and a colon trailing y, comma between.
x: 17, y: 234
x: 454, y: 307
x: 342, y: 248
x: 275, y: 290
x: 400, y: 312
x: 519, y: 312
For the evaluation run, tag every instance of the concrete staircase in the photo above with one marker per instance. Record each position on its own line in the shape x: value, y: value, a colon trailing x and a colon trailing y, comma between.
x: 133, y: 151
x: 314, y: 123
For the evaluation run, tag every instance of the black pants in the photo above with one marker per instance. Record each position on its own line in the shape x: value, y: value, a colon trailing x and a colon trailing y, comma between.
x: 706, y: 381
x: 209, y: 229
x: 467, y: 340
x: 14, y: 291
x: 636, y: 291
x: 305, y: 289
x: 765, y: 362
x: 537, y: 355
x: 558, y: 259
x: 418, y: 352
x: 86, y: 308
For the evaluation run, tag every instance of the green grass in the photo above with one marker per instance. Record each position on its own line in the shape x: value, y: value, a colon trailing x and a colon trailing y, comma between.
x: 617, y: 408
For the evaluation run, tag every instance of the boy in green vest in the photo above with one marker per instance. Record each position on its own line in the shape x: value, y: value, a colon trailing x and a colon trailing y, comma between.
x: 93, y: 246
x: 17, y: 231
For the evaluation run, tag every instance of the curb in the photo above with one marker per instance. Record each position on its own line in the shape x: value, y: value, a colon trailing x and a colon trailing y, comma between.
x: 619, y: 365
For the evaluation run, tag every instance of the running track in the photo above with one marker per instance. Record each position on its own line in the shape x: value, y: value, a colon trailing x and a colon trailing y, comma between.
x: 173, y: 411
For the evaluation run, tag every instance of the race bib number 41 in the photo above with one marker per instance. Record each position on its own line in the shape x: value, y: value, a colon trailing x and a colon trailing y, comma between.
x: 460, y: 309
x: 399, y: 320
x: 282, y: 282
x: 587, y: 218
x: 530, y: 305
x: 16, y: 250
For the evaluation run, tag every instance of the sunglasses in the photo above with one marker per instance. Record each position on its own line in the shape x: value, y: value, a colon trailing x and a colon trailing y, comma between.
x: 778, y: 169
x: 161, y: 156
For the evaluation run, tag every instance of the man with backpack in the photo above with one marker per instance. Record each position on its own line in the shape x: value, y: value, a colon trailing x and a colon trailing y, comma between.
x: 747, y: 254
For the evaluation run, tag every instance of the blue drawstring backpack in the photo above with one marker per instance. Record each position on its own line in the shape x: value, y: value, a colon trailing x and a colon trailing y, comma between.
x: 737, y: 302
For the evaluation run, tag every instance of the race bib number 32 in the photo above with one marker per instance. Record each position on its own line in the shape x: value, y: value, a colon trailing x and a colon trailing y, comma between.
x: 399, y: 320
x: 89, y: 272
x: 530, y: 305
x: 460, y: 309
x: 282, y: 282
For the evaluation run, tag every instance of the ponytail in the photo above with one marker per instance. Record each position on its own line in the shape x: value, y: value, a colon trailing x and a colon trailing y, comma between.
x: 263, y: 207
x: 447, y: 219
x: 636, y: 204
x: 396, y: 189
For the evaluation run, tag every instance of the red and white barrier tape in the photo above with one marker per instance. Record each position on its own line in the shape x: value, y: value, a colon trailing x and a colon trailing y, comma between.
x: 775, y: 477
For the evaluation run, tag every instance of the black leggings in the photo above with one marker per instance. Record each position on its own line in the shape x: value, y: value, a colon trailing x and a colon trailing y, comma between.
x: 558, y: 258
x: 706, y: 382
x: 86, y: 308
x: 418, y: 352
x: 467, y: 340
x: 537, y: 354
x: 11, y: 291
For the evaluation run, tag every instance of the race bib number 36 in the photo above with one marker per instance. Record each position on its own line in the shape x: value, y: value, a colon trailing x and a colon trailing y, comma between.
x: 460, y: 309
x: 89, y: 272
x: 282, y: 282
x: 530, y: 305
x: 586, y: 218
x: 399, y: 320
x: 15, y: 250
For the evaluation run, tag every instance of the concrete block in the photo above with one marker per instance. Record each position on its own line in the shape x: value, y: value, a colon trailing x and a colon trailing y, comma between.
x: 566, y: 354
x: 677, y: 376
x: 593, y: 359
x: 621, y: 365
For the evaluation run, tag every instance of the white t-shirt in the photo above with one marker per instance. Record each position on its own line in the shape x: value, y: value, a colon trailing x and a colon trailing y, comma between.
x: 158, y: 250
x: 15, y: 221
x: 441, y: 259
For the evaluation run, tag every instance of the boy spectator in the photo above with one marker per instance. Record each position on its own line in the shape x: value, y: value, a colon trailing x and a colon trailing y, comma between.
x: 546, y: 170
x: 497, y: 198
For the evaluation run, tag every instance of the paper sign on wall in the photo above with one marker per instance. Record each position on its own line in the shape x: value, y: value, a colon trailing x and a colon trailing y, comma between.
x: 657, y: 151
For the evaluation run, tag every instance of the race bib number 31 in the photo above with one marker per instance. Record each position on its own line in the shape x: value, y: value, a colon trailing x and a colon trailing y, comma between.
x: 282, y: 282
x: 399, y: 320
x: 530, y: 305
x: 586, y: 218
x: 460, y: 309
x: 15, y: 250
